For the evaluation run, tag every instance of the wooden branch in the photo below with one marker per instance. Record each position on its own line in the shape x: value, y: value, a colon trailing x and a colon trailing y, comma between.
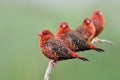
x: 51, y: 64
x: 95, y: 40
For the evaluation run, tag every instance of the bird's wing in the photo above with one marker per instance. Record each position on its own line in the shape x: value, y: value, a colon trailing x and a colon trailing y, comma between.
x: 57, y: 47
x: 79, y: 42
x: 80, y: 29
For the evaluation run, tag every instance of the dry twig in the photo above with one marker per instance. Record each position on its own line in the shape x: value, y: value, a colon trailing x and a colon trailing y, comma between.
x: 49, y: 69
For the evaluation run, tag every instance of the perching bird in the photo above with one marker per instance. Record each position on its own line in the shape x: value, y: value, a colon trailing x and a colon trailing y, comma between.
x: 98, y: 21
x: 55, y: 49
x: 72, y: 40
x: 99, y: 24
x: 86, y: 30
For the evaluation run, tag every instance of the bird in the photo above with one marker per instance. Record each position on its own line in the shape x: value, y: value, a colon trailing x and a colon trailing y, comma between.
x: 86, y: 30
x: 54, y: 48
x: 73, y: 41
x: 98, y: 21
x: 99, y: 24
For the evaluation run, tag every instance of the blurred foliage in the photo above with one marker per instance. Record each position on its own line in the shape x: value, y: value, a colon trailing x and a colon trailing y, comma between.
x: 22, y: 20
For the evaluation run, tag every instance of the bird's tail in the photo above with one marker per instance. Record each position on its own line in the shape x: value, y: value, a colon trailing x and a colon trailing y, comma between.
x: 99, y: 50
x: 95, y: 48
x: 75, y: 55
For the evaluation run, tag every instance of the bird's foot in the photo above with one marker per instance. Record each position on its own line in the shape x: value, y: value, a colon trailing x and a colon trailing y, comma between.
x: 52, y: 62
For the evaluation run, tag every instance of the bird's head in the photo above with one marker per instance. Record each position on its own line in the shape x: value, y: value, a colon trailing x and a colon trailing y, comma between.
x: 46, y: 34
x: 63, y: 28
x: 64, y: 25
x: 97, y: 14
x: 87, y: 21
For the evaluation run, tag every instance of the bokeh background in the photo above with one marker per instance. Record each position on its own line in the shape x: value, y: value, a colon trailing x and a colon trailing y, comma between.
x: 22, y: 20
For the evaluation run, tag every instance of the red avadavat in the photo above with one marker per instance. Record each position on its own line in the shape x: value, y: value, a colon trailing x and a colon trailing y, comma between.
x: 55, y: 49
x: 74, y: 41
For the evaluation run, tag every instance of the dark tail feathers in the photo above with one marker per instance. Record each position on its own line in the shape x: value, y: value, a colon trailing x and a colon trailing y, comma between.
x: 84, y: 59
x: 99, y: 50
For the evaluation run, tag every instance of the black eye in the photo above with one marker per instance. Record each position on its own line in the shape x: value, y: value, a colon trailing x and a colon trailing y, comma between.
x: 84, y: 21
x: 97, y: 13
x: 45, y: 33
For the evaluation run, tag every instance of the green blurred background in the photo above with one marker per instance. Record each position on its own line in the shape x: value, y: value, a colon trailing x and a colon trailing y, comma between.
x: 22, y: 20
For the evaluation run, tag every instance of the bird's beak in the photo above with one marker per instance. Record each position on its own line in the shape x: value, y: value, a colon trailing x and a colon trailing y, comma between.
x: 88, y: 21
x: 64, y: 25
x: 40, y: 34
x: 100, y: 13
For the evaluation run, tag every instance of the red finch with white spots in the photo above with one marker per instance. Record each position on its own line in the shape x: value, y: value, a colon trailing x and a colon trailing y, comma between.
x: 98, y: 21
x: 72, y: 40
x: 55, y: 49
x: 86, y: 30
x: 99, y: 24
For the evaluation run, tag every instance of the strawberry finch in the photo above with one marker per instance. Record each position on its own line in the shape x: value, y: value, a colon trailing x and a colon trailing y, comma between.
x: 98, y: 21
x: 55, y: 49
x: 86, y: 30
x: 72, y: 40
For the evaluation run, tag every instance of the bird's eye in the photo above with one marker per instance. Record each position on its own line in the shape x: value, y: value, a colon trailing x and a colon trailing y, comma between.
x: 97, y: 13
x: 44, y: 33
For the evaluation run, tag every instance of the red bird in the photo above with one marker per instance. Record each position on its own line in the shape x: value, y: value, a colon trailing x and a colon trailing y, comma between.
x: 98, y: 21
x: 55, y: 49
x: 72, y: 40
x: 86, y: 30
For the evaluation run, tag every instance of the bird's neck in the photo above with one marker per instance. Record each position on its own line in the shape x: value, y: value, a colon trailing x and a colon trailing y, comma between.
x: 43, y: 39
x: 62, y: 31
x: 91, y: 25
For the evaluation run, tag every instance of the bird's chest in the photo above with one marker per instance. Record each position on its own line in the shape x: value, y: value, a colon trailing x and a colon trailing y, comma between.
x: 48, y: 52
x: 98, y: 24
x: 88, y: 33
x: 64, y: 39
x: 45, y: 48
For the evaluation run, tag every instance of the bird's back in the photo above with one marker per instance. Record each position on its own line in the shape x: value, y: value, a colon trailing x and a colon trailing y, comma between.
x: 57, y: 49
x: 77, y: 43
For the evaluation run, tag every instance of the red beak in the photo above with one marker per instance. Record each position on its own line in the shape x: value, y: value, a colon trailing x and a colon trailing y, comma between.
x: 64, y: 25
x: 40, y: 34
x: 88, y: 21
x: 100, y: 13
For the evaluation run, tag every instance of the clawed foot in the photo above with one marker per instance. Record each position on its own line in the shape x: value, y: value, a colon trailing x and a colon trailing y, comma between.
x: 53, y: 62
